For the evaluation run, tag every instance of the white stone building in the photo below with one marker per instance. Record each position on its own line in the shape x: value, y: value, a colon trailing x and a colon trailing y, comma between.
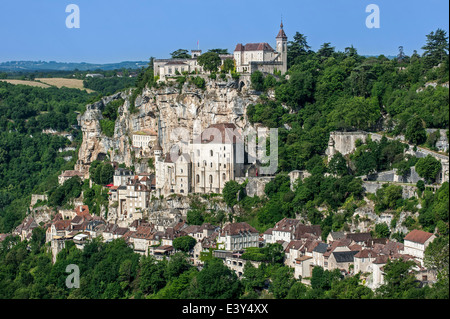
x: 415, y: 243
x: 238, y: 236
x: 213, y: 158
x: 261, y: 56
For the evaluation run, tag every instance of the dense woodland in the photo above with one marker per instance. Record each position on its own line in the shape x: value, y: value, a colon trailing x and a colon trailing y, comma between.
x: 326, y: 91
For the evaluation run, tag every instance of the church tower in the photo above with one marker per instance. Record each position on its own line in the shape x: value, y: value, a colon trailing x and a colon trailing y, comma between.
x: 282, y: 48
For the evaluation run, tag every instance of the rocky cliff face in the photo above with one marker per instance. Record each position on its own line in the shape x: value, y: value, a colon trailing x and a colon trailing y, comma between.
x: 170, y: 111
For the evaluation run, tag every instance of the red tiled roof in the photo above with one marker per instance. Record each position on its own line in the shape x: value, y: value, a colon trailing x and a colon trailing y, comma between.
x: 261, y: 46
x: 236, y: 228
x: 418, y: 236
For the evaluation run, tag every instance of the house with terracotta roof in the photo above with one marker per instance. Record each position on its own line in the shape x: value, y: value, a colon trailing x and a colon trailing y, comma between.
x: 363, y: 260
x: 25, y: 229
x: 65, y: 175
x: 238, y: 236
x: 415, y: 243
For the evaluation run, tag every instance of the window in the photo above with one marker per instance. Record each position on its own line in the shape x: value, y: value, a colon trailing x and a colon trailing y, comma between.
x: 198, y: 178
x: 210, y: 179
x: 224, y: 177
x: 211, y: 152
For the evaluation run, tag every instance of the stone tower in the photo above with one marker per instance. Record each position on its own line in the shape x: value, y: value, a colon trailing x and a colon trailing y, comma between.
x: 282, y: 48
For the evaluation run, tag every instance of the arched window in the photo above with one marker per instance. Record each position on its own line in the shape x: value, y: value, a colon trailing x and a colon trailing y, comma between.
x: 210, y: 179
x: 224, y: 176
x: 211, y: 152
x: 198, y: 178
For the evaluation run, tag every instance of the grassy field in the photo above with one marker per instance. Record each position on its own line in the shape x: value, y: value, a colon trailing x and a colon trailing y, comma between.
x: 47, y: 82
x: 31, y: 83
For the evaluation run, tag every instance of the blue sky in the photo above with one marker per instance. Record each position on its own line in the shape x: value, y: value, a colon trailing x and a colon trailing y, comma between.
x: 114, y: 31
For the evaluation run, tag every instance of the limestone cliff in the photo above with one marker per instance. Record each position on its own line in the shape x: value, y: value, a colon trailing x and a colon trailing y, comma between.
x: 169, y: 110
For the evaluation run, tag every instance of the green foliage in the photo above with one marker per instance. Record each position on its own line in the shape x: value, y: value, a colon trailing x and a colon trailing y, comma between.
x: 231, y: 192
x: 435, y: 208
x: 184, y: 243
x: 110, y: 85
x: 29, y: 159
x: 180, y: 54
x: 101, y: 173
x: 199, y: 82
x: 428, y: 167
x: 62, y: 194
x: 210, y: 61
x: 216, y: 281
x: 382, y: 230
x: 272, y: 253
x: 388, y: 196
x: 257, y: 80
x: 399, y: 281
x: 195, y: 217
x: 415, y: 132
x: 107, y: 127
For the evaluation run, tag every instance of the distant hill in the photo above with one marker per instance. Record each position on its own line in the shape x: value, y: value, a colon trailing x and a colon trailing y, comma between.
x: 12, y: 66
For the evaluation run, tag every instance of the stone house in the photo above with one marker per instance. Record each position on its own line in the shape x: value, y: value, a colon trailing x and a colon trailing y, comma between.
x: 144, y: 141
x: 65, y: 175
x: 303, y: 266
x: 318, y: 252
x: 363, y: 260
x: 334, y: 236
x: 261, y: 56
x: 341, y: 260
x: 238, y: 236
x: 415, y: 243
x: 121, y: 176
x: 25, y: 229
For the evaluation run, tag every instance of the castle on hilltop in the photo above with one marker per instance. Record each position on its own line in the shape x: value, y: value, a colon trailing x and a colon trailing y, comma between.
x: 248, y: 58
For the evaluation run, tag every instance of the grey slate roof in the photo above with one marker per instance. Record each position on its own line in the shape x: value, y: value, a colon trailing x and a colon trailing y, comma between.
x: 344, y: 256
x: 321, y: 248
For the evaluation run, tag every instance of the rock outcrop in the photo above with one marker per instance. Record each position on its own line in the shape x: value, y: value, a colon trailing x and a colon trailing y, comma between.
x: 176, y: 114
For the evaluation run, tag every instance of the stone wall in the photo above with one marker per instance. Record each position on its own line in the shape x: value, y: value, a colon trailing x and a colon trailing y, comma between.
x: 408, y: 191
x: 344, y: 142
x: 255, y: 185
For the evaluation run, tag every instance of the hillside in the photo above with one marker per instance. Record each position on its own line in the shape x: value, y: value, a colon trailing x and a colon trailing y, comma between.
x: 14, y: 66
x: 330, y: 110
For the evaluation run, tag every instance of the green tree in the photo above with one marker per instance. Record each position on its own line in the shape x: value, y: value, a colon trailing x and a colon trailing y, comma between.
x: 382, y: 230
x: 231, y: 191
x: 216, y: 281
x: 436, y: 48
x: 180, y: 54
x: 282, y: 281
x: 398, y: 279
x: 428, y: 167
x: 210, y: 61
x: 195, y: 217
x: 257, y: 80
x: 338, y: 165
x: 415, y: 131
x: 184, y: 243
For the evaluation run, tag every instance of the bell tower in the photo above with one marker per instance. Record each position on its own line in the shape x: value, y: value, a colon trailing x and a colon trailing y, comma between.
x: 282, y: 48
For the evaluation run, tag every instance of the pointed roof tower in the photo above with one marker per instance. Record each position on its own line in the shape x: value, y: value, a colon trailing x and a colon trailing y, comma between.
x: 281, y: 33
